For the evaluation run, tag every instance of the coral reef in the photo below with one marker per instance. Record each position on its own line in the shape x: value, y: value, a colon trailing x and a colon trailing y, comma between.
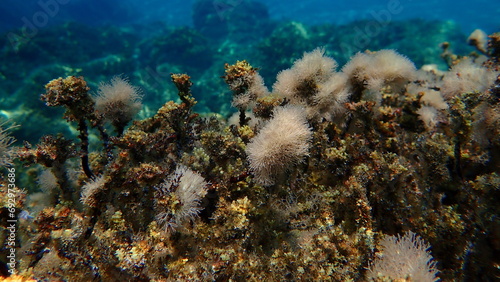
x: 323, y: 174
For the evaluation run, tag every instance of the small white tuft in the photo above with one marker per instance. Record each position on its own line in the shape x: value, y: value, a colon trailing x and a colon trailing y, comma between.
x: 404, y: 257
x: 385, y: 67
x: 180, y: 196
x: 331, y: 97
x: 118, y: 101
x: 433, y: 98
x: 90, y: 190
x: 315, y: 65
x: 281, y: 143
x: 428, y: 115
x: 467, y: 76
x: 7, y: 152
x: 47, y: 181
x: 479, y: 39
x: 313, y: 68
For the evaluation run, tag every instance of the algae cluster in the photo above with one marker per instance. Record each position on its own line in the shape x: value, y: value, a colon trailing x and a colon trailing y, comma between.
x: 174, y: 196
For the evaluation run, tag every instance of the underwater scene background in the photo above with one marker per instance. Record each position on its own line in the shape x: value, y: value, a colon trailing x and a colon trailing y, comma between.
x: 235, y: 140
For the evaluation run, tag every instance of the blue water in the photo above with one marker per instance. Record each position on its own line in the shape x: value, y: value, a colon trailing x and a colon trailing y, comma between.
x: 469, y: 15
